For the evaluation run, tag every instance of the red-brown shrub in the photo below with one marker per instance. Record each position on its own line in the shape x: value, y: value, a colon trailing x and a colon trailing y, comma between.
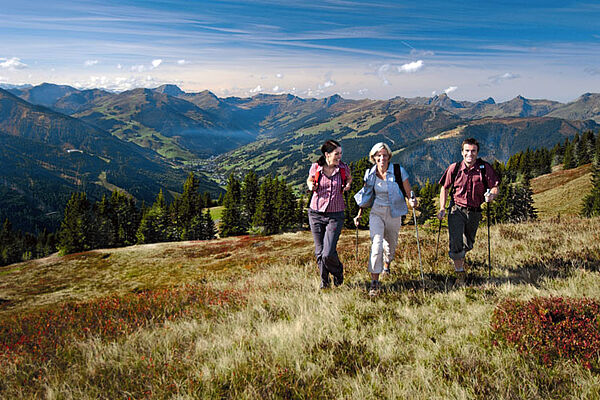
x: 551, y: 329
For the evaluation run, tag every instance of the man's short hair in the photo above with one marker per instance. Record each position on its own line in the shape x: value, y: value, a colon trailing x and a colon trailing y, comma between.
x: 471, y: 141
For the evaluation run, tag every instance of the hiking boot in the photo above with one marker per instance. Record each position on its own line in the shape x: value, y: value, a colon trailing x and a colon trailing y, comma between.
x: 374, y: 288
x: 338, y: 280
x: 461, y: 279
x: 324, y: 285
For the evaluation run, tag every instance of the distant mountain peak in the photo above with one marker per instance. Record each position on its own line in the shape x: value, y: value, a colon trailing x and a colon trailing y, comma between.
x: 170, y: 89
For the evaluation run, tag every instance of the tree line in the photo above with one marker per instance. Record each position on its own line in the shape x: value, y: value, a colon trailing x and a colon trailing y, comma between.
x: 116, y: 221
x: 267, y: 206
x: 270, y: 205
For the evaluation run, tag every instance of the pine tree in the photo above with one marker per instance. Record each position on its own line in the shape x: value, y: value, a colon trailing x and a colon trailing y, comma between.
x: 79, y: 228
x: 522, y: 203
x: 427, y: 205
x: 106, y: 229
x: 155, y: 222
x: 285, y: 205
x: 585, y: 148
x: 208, y: 226
x: 126, y: 218
x: 265, y: 217
x: 591, y: 202
x: 186, y: 214
x: 231, y: 219
x: 569, y: 156
x: 249, y: 192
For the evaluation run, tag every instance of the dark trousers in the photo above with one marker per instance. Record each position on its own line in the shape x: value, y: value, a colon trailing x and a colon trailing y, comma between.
x: 462, y: 228
x: 326, y: 228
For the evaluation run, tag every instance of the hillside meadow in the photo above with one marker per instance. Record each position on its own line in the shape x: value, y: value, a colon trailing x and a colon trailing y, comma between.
x: 242, y: 318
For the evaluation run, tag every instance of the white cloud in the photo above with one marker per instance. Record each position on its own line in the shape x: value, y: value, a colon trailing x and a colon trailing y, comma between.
x: 280, y: 76
x: 156, y: 63
x: 276, y: 89
x: 327, y: 84
x: 411, y: 67
x: 503, y: 77
x: 182, y: 62
x: 2, y: 79
x: 12, y: 63
x: 119, y: 66
x: 118, y: 84
x: 450, y: 89
x: 257, y: 89
x: 89, y: 63
x: 362, y: 91
x: 381, y: 73
x: 138, y: 68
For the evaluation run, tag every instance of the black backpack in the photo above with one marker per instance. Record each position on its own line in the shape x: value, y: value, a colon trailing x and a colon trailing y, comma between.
x: 399, y: 180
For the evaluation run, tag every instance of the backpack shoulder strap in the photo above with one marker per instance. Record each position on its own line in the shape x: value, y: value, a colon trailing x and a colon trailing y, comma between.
x: 399, y: 180
x: 316, y: 178
x: 343, y: 175
x: 482, y: 168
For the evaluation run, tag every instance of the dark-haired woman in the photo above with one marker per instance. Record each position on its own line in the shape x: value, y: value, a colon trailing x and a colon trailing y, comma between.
x: 328, y: 179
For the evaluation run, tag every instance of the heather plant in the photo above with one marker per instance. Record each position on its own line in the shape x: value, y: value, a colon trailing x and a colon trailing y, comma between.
x: 551, y: 329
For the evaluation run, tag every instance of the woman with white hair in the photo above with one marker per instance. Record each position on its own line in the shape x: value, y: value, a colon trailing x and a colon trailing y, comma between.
x: 385, y: 188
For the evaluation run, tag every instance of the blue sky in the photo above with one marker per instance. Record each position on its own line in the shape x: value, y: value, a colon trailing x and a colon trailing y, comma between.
x: 377, y: 49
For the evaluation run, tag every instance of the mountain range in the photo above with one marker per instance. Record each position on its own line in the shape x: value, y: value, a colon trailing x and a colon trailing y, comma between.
x: 57, y: 139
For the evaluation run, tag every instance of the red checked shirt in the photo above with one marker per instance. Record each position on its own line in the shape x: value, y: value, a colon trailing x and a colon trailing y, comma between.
x: 469, y: 188
x: 328, y: 197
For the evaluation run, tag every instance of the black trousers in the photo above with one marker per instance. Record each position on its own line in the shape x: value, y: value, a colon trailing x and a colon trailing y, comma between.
x: 326, y: 228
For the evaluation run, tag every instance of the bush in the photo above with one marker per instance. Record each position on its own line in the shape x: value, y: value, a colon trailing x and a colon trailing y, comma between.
x: 551, y: 329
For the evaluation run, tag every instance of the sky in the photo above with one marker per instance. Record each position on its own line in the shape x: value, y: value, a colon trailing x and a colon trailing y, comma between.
x: 378, y: 49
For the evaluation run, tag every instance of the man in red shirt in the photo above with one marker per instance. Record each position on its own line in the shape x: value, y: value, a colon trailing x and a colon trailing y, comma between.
x: 468, y: 182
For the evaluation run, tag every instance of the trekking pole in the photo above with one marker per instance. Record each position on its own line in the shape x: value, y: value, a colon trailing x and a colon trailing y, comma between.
x: 357, y: 243
x: 488, y: 229
x: 412, y: 196
x: 437, y: 245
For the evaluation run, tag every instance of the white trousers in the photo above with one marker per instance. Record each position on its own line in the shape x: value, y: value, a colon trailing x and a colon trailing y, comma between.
x: 384, y: 237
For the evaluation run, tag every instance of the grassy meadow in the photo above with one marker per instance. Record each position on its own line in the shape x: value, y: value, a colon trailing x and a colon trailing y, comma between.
x: 242, y: 318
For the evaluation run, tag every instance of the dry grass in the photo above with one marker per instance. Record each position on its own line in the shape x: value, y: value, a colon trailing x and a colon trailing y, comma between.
x: 290, y: 341
x: 561, y: 192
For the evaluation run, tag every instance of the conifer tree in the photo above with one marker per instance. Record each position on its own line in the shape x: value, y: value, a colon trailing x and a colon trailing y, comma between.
x: 591, y: 202
x: 126, y: 218
x: 585, y: 148
x: 186, y: 212
x: 79, y: 228
x: 249, y: 193
x: 569, y: 156
x: 208, y: 226
x: 522, y: 203
x: 427, y: 205
x: 265, y: 217
x: 155, y: 222
x: 285, y: 205
x: 231, y: 219
x: 105, y: 216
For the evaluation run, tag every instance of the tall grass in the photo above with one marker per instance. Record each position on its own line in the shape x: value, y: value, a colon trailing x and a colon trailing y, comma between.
x: 288, y: 340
